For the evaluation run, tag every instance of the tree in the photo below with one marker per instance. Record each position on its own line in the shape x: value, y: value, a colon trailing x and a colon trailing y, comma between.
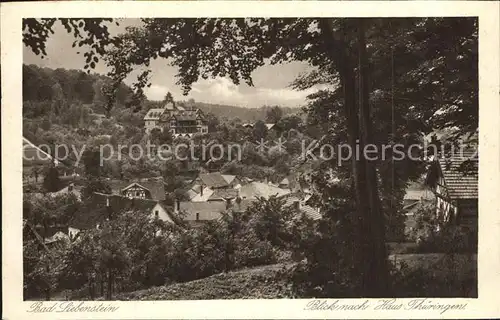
x: 51, y: 181
x: 259, y: 131
x: 274, y: 114
x: 169, y: 98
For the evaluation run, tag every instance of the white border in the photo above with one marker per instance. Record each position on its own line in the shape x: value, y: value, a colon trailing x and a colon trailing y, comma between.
x: 486, y: 306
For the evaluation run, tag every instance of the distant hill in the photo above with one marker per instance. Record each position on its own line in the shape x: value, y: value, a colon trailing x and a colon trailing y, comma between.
x: 231, y: 112
x: 48, y: 91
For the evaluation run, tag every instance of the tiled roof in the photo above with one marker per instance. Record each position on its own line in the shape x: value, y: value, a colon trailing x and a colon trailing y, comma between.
x: 213, y: 180
x: 205, y: 210
x: 460, y: 174
x: 154, y: 114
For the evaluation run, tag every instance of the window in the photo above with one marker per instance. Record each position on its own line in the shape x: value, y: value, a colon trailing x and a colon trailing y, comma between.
x: 157, y: 213
x: 197, y: 216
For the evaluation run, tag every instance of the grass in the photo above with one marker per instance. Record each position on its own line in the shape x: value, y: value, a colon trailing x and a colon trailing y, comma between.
x: 264, y: 282
x: 253, y: 283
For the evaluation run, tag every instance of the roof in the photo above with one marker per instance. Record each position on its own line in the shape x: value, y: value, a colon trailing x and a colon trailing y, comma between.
x: 223, y: 194
x: 213, y: 180
x: 207, y: 193
x: 284, y: 181
x: 182, y: 115
x: 156, y: 187
x: 96, y: 210
x: 260, y: 189
x: 460, y: 173
x: 206, y: 210
x: 229, y: 178
x: 154, y: 114
x: 270, y: 126
x: 309, y: 211
x: 134, y: 184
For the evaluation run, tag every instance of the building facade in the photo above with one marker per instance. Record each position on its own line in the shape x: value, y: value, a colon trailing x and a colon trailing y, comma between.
x: 177, y: 120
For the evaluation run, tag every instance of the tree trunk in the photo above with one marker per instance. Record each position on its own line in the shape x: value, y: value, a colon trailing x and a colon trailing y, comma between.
x: 376, y: 273
x: 110, y: 286
x: 369, y: 250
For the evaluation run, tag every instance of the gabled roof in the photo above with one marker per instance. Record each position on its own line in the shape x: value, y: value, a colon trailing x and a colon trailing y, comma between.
x: 135, y: 184
x: 229, y: 178
x: 213, y: 180
x: 460, y: 173
x: 156, y: 187
x: 154, y: 114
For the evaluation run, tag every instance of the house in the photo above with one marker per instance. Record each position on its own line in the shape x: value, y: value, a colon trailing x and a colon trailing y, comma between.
x: 152, y: 119
x: 176, y: 119
x: 185, y: 123
x: 142, y: 189
x: 103, y: 207
x: 454, y: 181
x: 196, y: 212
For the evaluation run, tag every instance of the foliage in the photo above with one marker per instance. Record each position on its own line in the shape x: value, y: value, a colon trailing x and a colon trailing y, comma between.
x: 51, y: 180
x: 274, y: 114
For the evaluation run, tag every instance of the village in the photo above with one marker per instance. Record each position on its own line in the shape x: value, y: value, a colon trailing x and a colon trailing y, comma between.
x: 281, y: 217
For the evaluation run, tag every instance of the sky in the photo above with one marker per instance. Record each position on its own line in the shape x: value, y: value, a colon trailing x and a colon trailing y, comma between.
x: 271, y: 82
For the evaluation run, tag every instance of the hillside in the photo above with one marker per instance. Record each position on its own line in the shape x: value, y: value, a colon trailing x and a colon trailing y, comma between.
x: 252, y: 283
x: 49, y: 91
x: 266, y: 282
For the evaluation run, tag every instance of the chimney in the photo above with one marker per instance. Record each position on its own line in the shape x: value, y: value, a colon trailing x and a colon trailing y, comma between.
x: 70, y: 187
x: 107, y: 201
x: 201, y: 190
x: 178, y: 205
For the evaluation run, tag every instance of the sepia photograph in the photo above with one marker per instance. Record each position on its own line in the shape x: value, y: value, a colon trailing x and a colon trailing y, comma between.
x: 209, y: 162
x: 219, y: 158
